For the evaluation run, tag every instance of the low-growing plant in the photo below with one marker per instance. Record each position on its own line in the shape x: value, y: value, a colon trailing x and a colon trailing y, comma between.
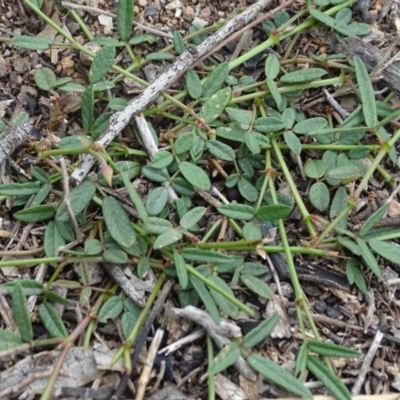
x: 228, y: 125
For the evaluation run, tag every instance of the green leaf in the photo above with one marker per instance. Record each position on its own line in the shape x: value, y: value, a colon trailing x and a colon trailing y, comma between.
x: 272, y: 67
x: 225, y: 358
x: 157, y: 200
x: 252, y: 231
x: 326, y: 349
x: 101, y: 63
x: 87, y: 110
x: 366, y: 92
x: 257, y: 286
x: 51, y: 321
x: 100, y: 125
x: 301, y: 362
x: 206, y: 298
x: 339, y: 202
x: 389, y: 251
x: 107, y: 41
x: 29, y: 286
x: 117, y: 221
x: 45, y: 78
x: 35, y: 214
x: 116, y: 256
x: 273, y: 212
x: 103, y: 86
x: 357, y: 29
x: 247, y: 190
x: 328, y: 379
x: 288, y: 118
x: 223, y: 303
x: 319, y: 196
x: 241, y: 116
x: 128, y: 321
x: 161, y: 160
x: 303, y: 75
x: 293, y: 142
x: 260, y: 332
x: 143, y: 267
x: 181, y: 270
x: 79, y: 197
x: 184, y: 143
x: 207, y: 256
x: 220, y: 150
x: 192, y: 217
x: 21, y: 313
x: 125, y: 19
x: 52, y: 239
x: 215, y: 80
x: 31, y: 43
x: 373, y: 219
x: 359, y: 152
x: 369, y: 257
x: 237, y: 211
x: 93, y: 247
x: 268, y: 124
x: 195, y: 175
x: 349, y: 244
x: 310, y: 125
x: 168, y: 237
x: 179, y: 43
x: 232, y: 132
x: 41, y: 195
x: 144, y: 37
x: 38, y: 173
x: 279, y: 99
x: 182, y: 186
x: 159, y: 56
x: 8, y: 340
x: 253, y: 268
x: 55, y: 297
x: 19, y: 189
x: 346, y: 172
x: 157, y: 225
x: 193, y: 84
x: 215, y: 105
x: 354, y: 275
x: 110, y: 309
x: 133, y: 194
x: 117, y: 104
x: 276, y: 374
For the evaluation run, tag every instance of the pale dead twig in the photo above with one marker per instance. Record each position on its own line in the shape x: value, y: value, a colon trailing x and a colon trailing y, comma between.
x: 141, y: 341
x: 40, y: 274
x: 219, y: 333
x: 13, y: 139
x: 339, y: 109
x: 182, y: 342
x: 13, y: 390
x: 115, y: 271
x: 366, y: 364
x: 187, y: 59
x: 151, y: 355
x: 151, y: 148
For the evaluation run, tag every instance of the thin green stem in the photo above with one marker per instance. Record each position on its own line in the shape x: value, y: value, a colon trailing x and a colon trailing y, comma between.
x: 379, y: 157
x: 211, y: 377
x: 293, y: 188
x: 142, y: 318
